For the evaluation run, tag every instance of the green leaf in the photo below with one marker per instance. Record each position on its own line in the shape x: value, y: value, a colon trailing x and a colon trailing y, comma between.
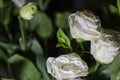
x: 43, y: 4
x: 63, y: 40
x: 40, y: 4
x: 41, y: 63
x: 23, y: 69
x: 36, y: 47
x: 45, y: 27
x: 3, y: 55
x: 118, y: 4
x: 115, y: 67
x: 7, y: 79
x: 118, y: 76
x: 10, y: 48
x: 61, y: 19
x: 1, y: 3
x: 113, y: 9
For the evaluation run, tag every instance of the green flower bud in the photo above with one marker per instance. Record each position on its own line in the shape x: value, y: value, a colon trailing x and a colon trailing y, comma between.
x: 27, y: 11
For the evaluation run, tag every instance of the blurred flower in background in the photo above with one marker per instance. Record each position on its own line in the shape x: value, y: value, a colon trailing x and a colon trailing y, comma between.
x: 19, y: 3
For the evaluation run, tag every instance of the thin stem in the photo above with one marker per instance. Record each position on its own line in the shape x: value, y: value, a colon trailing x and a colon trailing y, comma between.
x: 23, y: 41
x: 46, y: 4
x: 8, y: 33
x: 46, y: 46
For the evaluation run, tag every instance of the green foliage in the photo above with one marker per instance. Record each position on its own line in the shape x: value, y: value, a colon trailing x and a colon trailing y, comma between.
x: 115, y: 68
x: 61, y: 19
x: 118, y: 76
x: 36, y: 47
x: 23, y: 69
x: 45, y: 27
x: 43, y: 5
x: 63, y: 40
x: 42, y: 24
x: 41, y: 63
x: 118, y: 5
x: 3, y: 55
x: 113, y: 9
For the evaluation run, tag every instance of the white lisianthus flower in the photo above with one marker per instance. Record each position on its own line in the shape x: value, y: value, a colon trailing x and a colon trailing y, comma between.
x: 84, y: 25
x: 106, y: 47
x: 67, y: 67
x: 19, y: 3
x: 27, y: 11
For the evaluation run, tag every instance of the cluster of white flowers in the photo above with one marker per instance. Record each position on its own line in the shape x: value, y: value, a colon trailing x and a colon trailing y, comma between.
x: 105, y: 44
x: 67, y: 67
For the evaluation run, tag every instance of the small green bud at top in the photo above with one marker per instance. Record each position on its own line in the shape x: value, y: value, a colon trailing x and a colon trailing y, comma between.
x: 27, y: 11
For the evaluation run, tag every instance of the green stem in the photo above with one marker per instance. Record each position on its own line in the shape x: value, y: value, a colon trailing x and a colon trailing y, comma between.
x: 8, y: 33
x: 46, y: 4
x: 23, y: 41
x: 95, y: 68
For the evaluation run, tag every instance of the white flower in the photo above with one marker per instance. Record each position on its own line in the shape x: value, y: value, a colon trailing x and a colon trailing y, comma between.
x: 106, y: 47
x: 19, y: 3
x: 84, y: 25
x: 27, y: 11
x: 67, y: 67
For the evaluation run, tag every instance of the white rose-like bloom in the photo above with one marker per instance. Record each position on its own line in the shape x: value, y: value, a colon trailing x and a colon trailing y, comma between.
x: 84, y: 25
x: 106, y: 47
x: 19, y: 3
x: 67, y: 67
x: 27, y: 11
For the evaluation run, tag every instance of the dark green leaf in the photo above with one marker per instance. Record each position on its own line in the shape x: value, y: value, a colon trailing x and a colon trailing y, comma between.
x: 40, y: 4
x: 41, y: 63
x: 42, y: 24
x: 3, y: 55
x: 45, y: 29
x: 23, y: 69
x: 9, y: 47
x: 36, y: 47
x: 43, y: 4
x: 61, y: 19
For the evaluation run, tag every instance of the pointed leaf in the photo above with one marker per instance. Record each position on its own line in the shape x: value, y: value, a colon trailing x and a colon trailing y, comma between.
x: 63, y: 40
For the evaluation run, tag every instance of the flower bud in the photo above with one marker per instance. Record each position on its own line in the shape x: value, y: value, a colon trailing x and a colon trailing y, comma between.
x: 27, y: 11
